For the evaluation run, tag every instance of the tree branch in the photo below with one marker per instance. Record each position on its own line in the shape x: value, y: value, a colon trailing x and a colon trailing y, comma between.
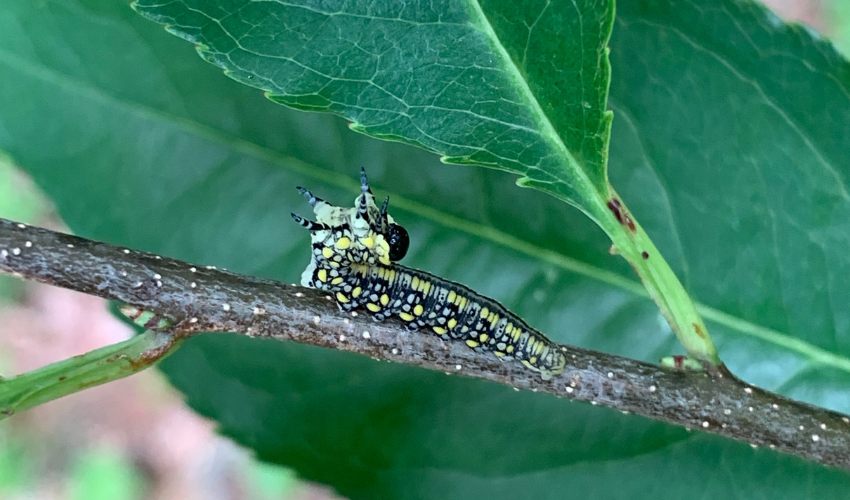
x: 202, y: 298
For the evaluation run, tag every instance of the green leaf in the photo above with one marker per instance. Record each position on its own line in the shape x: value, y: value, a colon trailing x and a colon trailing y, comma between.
x: 519, y: 86
x: 146, y: 146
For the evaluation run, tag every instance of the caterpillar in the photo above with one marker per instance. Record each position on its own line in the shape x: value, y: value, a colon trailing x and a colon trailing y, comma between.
x: 355, y: 254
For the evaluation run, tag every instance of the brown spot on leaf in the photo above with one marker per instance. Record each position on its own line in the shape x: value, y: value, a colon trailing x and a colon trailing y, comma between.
x: 698, y: 330
x: 623, y: 217
x: 645, y: 255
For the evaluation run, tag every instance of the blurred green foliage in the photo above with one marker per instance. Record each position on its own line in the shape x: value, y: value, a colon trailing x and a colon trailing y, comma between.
x: 32, y: 467
x: 16, y: 469
x: 28, y: 463
x: 104, y: 474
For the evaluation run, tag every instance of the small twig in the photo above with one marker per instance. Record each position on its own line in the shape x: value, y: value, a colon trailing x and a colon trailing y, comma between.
x: 203, y: 299
x: 71, y: 375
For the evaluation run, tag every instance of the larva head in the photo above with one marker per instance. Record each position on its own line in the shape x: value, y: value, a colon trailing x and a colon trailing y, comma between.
x: 399, y: 241
x: 363, y: 234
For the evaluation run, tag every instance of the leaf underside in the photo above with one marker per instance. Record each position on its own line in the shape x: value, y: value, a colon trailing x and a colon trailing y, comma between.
x: 518, y: 86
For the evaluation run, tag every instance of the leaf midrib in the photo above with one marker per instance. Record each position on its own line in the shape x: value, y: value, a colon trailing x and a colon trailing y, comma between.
x: 548, y: 132
x: 813, y: 353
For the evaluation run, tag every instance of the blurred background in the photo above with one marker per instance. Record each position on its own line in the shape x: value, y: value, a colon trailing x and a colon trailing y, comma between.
x: 138, y: 439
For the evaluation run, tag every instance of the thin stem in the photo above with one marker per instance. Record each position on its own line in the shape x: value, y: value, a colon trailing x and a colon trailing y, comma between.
x: 81, y: 372
x: 198, y: 299
x: 632, y: 242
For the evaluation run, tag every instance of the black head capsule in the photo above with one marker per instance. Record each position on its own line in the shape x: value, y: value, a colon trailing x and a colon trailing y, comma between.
x: 399, y: 241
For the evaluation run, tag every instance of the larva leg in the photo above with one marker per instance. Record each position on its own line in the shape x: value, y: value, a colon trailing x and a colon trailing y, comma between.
x: 343, y: 285
x: 346, y: 304
x: 411, y: 326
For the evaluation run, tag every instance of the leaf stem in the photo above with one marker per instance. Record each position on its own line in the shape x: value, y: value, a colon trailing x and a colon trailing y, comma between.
x: 632, y: 242
x: 93, y: 368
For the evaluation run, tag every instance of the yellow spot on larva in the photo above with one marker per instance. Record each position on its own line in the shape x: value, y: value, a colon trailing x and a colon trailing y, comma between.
x: 418, y: 309
x: 538, y: 347
x: 337, y: 280
x: 509, y: 349
x: 373, y: 307
x: 343, y: 243
x: 405, y: 316
x: 414, y: 283
x: 384, y: 259
x: 452, y: 296
x: 533, y: 360
x: 493, y: 318
x: 472, y: 343
x: 528, y: 365
x: 322, y: 275
x: 368, y: 242
x: 341, y: 297
x: 439, y: 330
x: 327, y: 252
x: 516, y: 334
x: 452, y: 323
x: 356, y: 292
x: 485, y: 312
x: 385, y: 299
x: 426, y: 286
x: 499, y: 354
x: 483, y: 337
